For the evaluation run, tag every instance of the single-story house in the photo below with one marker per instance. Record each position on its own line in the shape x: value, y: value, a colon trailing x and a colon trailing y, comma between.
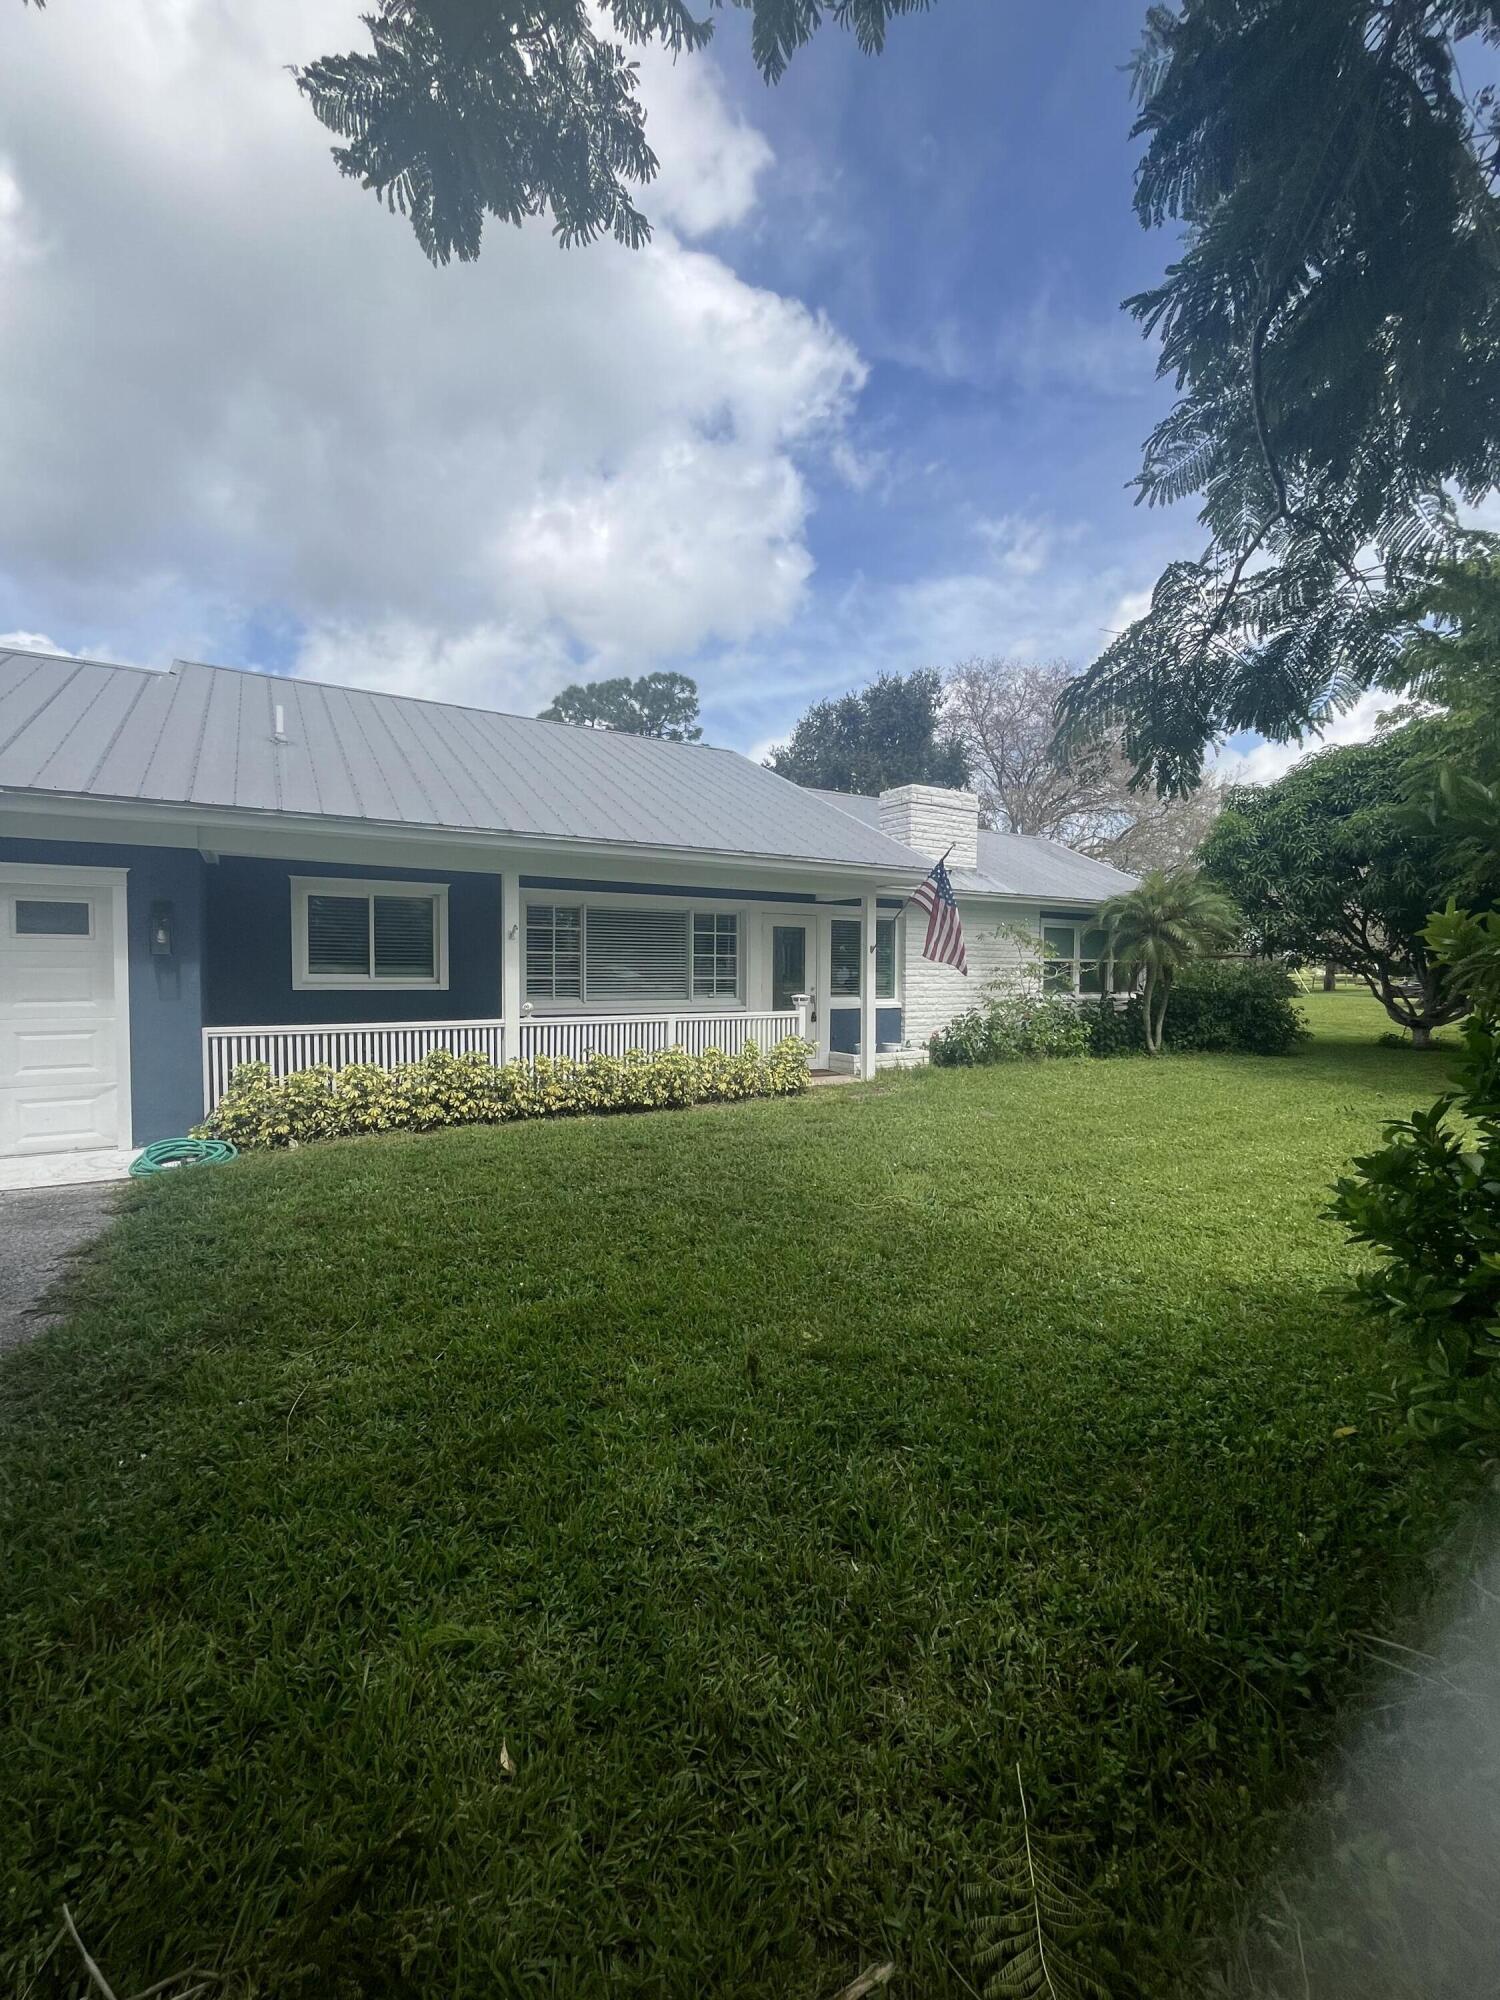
x: 203, y: 866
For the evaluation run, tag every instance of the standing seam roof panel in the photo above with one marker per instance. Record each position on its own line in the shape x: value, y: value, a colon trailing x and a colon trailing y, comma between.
x: 73, y: 762
x: 203, y: 736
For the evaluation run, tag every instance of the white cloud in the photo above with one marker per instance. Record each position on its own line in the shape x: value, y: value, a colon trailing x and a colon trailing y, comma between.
x: 1257, y: 762
x: 28, y: 642
x: 236, y: 390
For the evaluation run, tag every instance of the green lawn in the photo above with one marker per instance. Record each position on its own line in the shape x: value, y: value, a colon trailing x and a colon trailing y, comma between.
x: 632, y: 1556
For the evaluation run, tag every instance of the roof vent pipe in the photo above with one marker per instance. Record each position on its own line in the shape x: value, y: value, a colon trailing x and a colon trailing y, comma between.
x: 279, y: 732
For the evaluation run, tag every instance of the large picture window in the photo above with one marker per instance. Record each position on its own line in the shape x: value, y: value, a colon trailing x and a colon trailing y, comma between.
x: 348, y: 933
x: 623, y: 959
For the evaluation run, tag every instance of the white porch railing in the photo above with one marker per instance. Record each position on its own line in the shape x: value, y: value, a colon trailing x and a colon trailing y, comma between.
x: 576, y: 1035
x: 390, y: 1044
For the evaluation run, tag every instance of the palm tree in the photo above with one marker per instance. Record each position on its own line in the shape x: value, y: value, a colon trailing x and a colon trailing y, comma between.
x: 1156, y: 927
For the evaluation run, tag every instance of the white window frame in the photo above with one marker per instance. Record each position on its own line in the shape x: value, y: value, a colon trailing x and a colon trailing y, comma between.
x: 602, y: 900
x: 15, y: 897
x: 1075, y: 960
x: 304, y: 981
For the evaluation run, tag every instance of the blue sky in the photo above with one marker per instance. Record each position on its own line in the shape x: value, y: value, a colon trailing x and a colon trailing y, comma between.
x: 961, y: 208
x: 869, y: 402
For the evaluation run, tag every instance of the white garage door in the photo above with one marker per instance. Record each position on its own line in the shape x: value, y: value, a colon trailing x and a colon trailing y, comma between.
x: 60, y: 1015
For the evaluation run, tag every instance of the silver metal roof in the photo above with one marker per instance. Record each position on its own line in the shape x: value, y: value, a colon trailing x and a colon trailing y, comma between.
x: 206, y: 736
x: 1013, y: 864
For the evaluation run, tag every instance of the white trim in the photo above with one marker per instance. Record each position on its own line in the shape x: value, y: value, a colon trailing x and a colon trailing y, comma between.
x: 304, y: 886
x: 57, y: 876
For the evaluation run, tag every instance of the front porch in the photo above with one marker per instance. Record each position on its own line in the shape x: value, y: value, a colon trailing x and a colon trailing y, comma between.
x: 317, y: 963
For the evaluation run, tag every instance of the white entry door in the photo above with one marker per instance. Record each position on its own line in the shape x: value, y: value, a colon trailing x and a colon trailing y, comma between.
x: 63, y: 1011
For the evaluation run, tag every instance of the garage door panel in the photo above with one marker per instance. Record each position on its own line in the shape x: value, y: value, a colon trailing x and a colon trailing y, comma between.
x: 60, y: 1087
x: 63, y: 982
x: 57, y: 1056
x: 42, y: 1120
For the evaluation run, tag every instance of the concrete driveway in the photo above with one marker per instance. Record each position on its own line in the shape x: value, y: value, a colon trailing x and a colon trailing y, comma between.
x: 39, y: 1229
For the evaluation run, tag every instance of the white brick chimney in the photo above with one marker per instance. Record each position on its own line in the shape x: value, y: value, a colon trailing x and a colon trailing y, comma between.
x: 932, y: 819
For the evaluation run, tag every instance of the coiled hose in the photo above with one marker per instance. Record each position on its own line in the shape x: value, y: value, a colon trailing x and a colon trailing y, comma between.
x: 167, y: 1153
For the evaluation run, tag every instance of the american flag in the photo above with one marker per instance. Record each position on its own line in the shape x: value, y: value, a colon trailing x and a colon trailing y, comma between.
x: 945, y: 931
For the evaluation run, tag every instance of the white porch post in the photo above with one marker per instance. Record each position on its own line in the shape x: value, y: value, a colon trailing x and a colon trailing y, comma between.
x: 867, y: 992
x: 512, y: 945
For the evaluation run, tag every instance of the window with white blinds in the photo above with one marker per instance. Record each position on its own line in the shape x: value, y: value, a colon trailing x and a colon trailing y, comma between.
x: 630, y: 960
x: 554, y: 952
x: 353, y: 934
x: 632, y: 956
x: 716, y: 955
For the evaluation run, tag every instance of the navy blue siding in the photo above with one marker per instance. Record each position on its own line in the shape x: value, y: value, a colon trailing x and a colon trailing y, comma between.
x: 166, y: 994
x: 843, y: 1028
x: 250, y: 949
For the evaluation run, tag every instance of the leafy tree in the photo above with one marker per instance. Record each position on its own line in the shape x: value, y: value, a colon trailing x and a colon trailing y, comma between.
x: 1331, y: 864
x: 463, y: 109
x: 1426, y: 1201
x: 664, y: 705
x: 1332, y: 325
x: 1453, y: 659
x: 1159, y: 927
x: 888, y: 733
x: 1004, y: 713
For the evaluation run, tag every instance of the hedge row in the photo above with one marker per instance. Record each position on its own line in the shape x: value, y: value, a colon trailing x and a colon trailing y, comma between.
x: 259, y: 1110
x: 1242, y: 1006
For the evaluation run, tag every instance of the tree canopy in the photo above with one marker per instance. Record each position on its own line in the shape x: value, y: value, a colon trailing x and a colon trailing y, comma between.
x: 888, y: 733
x: 664, y: 705
x: 467, y: 109
x: 1332, y: 326
x: 1331, y: 863
x: 1004, y: 713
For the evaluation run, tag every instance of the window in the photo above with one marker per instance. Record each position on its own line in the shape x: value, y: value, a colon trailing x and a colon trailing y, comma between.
x: 716, y: 955
x: 844, y: 957
x: 885, y: 958
x: 1059, y: 953
x: 554, y: 952
x: 1093, y: 961
x: 352, y: 933
x: 38, y: 919
x: 635, y: 956
x: 624, y: 959
x: 1076, y: 958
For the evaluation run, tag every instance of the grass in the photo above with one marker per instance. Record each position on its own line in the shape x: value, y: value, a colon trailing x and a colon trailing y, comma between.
x: 633, y: 1556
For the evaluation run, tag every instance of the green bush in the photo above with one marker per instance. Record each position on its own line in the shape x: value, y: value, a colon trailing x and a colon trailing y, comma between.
x: 259, y: 1110
x: 1116, y: 1028
x: 1236, y: 1006
x: 1010, y: 1027
x: 1429, y: 1202
x: 1248, y: 1006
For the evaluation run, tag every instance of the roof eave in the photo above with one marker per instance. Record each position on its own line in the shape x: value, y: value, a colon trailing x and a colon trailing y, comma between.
x: 203, y: 818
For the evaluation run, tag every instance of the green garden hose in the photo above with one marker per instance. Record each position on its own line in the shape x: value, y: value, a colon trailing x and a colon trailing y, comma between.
x: 167, y: 1153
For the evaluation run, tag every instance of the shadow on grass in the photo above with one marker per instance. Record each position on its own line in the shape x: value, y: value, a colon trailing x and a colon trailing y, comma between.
x: 684, y: 1525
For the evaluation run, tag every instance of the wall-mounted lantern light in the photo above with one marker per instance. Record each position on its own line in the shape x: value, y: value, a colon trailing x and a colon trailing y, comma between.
x: 161, y: 930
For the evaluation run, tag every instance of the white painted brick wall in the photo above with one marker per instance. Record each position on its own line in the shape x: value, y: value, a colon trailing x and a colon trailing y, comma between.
x: 931, y: 819
x: 935, y: 993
